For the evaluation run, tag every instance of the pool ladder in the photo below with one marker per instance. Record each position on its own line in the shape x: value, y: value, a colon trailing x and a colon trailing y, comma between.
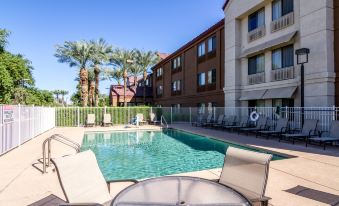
x: 59, y: 138
x: 163, y: 121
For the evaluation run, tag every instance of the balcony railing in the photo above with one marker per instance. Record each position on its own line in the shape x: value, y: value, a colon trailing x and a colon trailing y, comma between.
x: 283, y: 22
x: 178, y: 69
x: 201, y: 88
x: 256, y: 78
x: 282, y: 74
x: 175, y: 93
x: 211, y: 87
x: 256, y: 33
x: 158, y: 78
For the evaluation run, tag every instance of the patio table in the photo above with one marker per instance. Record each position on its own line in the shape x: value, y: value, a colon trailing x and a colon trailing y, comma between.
x: 178, y: 190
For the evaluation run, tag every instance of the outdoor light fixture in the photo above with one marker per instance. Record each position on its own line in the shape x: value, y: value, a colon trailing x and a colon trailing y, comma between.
x: 302, y: 58
x: 302, y: 55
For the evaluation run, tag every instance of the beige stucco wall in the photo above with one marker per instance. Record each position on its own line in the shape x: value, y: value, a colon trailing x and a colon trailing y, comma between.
x: 313, y: 20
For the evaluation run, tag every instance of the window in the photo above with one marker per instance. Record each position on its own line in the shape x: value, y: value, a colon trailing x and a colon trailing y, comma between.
x: 176, y: 63
x: 212, y: 44
x: 256, y: 64
x: 201, y: 79
x: 211, y: 76
x: 201, y: 49
x: 159, y: 72
x: 159, y: 91
x: 176, y: 86
x: 283, y: 57
x: 281, y: 8
x: 256, y: 20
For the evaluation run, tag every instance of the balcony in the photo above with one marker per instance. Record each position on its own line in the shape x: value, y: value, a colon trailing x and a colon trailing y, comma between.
x: 158, y: 78
x: 178, y: 69
x: 201, y: 88
x: 201, y: 58
x: 256, y: 33
x: 282, y: 22
x: 211, y: 54
x: 159, y: 95
x: 176, y: 93
x: 211, y: 87
x: 282, y: 74
x: 256, y: 78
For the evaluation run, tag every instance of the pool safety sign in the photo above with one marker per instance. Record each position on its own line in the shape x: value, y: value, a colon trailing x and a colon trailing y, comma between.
x: 7, y: 114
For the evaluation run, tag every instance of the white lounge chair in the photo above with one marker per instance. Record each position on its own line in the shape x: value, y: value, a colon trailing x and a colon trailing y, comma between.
x: 82, y: 181
x: 90, y: 122
x: 247, y: 172
x: 107, y: 121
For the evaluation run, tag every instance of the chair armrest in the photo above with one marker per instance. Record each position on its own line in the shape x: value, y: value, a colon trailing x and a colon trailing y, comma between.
x: 321, y: 133
x: 294, y: 130
x: 260, y: 201
x: 125, y: 180
x: 80, y: 204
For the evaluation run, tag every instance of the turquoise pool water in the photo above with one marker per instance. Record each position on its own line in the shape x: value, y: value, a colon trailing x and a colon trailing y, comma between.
x: 144, y: 154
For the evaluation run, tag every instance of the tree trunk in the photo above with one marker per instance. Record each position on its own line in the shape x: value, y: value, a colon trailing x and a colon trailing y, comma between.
x: 144, y: 94
x: 96, y: 73
x: 91, y: 93
x: 83, y: 81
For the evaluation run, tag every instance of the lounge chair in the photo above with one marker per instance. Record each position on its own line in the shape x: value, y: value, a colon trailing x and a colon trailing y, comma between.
x: 90, y: 122
x: 308, y: 129
x: 260, y: 126
x: 219, y: 121
x: 247, y: 172
x: 327, y: 137
x: 242, y: 123
x: 82, y: 181
x: 141, y: 119
x: 200, y: 120
x: 230, y: 121
x: 208, y: 122
x: 107, y: 121
x: 279, y: 129
x: 153, y: 119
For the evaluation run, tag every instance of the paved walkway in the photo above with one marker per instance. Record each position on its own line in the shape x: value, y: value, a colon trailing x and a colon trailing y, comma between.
x: 23, y: 184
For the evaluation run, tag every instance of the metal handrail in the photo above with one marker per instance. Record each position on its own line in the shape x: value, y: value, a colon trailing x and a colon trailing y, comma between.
x: 60, y: 138
x: 162, y: 119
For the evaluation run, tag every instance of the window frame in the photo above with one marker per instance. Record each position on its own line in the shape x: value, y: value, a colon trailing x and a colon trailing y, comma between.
x: 256, y: 57
x: 282, y: 7
x: 201, y: 49
x: 211, y: 79
x: 212, y: 41
x: 256, y: 18
x: 199, y: 79
x: 283, y: 57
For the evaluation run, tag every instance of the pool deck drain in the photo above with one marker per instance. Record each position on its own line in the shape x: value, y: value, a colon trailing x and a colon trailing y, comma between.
x: 22, y: 184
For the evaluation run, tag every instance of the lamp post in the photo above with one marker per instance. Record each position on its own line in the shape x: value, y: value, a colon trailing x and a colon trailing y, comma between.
x: 302, y: 58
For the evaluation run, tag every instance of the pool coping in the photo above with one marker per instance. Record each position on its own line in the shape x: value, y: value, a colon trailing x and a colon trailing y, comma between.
x: 287, y: 156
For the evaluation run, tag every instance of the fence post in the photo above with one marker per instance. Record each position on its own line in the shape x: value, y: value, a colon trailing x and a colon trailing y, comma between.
x: 171, y: 116
x: 333, y: 117
x: 78, y: 117
x: 190, y: 115
x: 19, y: 131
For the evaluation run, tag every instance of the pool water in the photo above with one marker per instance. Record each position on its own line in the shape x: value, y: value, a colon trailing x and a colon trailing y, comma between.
x: 145, y: 154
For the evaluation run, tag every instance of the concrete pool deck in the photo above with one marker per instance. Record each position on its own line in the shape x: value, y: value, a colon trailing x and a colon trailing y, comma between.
x: 23, y: 184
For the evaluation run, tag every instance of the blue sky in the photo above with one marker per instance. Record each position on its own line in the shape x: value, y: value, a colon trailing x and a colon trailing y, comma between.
x: 160, y: 25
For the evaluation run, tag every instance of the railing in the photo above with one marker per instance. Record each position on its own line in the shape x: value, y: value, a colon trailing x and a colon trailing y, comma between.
x: 282, y: 74
x: 19, y: 124
x: 282, y: 22
x: 256, y: 78
x: 59, y: 138
x: 256, y: 33
x: 163, y: 121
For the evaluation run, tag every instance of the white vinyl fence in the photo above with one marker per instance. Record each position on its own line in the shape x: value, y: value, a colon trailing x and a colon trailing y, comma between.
x: 19, y: 124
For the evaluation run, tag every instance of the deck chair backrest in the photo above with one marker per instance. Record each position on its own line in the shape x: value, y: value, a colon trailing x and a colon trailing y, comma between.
x: 232, y: 119
x: 262, y: 121
x: 309, y: 124
x: 140, y: 117
x: 90, y: 118
x: 209, y: 118
x: 243, y: 120
x: 153, y: 117
x: 107, y: 118
x: 81, y: 178
x: 246, y: 171
x: 334, y: 131
x: 220, y: 119
x: 282, y: 123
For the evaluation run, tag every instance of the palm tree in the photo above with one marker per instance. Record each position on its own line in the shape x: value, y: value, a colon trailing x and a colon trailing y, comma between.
x: 100, y: 55
x: 91, y: 86
x: 123, y: 59
x: 63, y: 93
x: 145, y: 60
x: 57, y: 93
x: 115, y: 74
x: 77, y: 54
x: 4, y: 34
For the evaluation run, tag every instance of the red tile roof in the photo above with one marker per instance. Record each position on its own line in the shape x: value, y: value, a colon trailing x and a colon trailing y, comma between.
x: 162, y: 56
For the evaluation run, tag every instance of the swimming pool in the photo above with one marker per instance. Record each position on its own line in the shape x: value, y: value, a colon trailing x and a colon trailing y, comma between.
x: 145, y: 154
